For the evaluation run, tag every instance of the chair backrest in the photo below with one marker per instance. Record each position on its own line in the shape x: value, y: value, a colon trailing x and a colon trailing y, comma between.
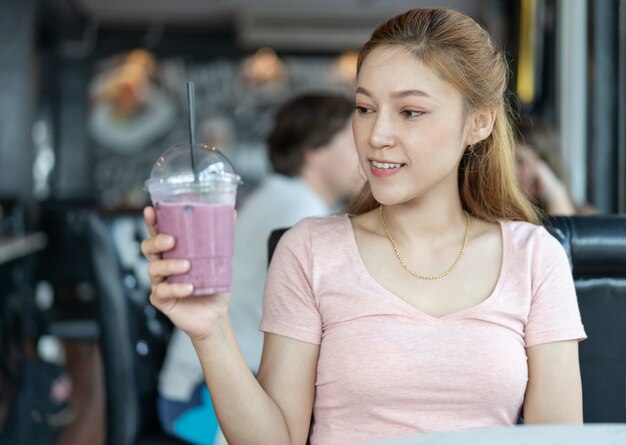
x: 122, y: 410
x: 134, y: 334
x: 596, y: 247
x: 272, y: 242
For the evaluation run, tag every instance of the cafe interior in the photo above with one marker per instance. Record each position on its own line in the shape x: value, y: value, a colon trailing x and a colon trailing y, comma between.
x: 92, y: 94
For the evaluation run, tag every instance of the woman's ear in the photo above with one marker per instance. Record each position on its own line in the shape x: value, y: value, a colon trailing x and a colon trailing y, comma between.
x: 481, y: 125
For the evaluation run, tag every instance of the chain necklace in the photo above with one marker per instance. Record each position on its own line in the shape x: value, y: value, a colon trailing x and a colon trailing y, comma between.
x: 411, y: 271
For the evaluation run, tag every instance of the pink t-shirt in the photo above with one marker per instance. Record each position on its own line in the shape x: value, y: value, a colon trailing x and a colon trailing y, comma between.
x: 387, y: 369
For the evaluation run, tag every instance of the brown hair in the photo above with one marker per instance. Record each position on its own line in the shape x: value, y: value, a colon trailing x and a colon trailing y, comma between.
x: 308, y: 121
x: 463, y: 53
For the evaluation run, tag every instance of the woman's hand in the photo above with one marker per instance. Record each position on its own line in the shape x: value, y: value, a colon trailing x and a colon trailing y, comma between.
x: 540, y: 183
x: 553, y: 191
x: 196, y: 315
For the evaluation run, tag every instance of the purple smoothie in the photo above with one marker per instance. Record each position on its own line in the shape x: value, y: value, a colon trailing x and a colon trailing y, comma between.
x: 204, y: 235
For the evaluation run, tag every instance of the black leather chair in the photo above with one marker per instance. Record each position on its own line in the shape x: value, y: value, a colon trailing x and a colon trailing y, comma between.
x: 133, y: 334
x: 596, y: 247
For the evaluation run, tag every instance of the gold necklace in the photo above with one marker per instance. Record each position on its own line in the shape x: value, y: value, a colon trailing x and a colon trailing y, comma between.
x: 411, y: 271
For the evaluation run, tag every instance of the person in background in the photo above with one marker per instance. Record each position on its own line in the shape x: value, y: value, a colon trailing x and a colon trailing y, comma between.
x: 540, y: 170
x: 316, y: 170
x: 437, y: 303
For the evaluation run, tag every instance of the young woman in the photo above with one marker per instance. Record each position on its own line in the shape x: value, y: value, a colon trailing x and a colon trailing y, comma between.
x: 436, y: 304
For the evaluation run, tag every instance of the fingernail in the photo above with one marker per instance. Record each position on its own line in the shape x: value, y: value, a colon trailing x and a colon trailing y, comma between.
x: 169, y: 240
x: 188, y: 288
x: 183, y: 264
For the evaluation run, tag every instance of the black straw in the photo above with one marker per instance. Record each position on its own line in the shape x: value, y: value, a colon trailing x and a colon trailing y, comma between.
x: 191, y: 96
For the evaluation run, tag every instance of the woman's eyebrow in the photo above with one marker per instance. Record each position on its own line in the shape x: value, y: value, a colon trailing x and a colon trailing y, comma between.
x: 405, y: 93
x: 396, y: 94
x: 361, y: 90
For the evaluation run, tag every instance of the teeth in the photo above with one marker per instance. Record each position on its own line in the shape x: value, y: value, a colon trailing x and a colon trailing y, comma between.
x: 385, y: 165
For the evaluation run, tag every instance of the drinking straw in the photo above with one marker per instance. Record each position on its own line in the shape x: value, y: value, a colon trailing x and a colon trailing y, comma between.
x: 191, y: 96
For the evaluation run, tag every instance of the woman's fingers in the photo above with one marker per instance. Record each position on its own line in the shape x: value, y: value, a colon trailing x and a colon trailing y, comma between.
x: 164, y: 268
x: 149, y: 216
x: 166, y: 291
x: 153, y: 247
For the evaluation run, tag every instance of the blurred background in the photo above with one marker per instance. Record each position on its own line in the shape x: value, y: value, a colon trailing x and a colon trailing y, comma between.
x: 93, y: 91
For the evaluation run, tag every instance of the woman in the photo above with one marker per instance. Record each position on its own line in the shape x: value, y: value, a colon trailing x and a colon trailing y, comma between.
x: 539, y: 169
x: 437, y: 304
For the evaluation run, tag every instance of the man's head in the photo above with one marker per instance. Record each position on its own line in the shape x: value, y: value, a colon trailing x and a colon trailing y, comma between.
x: 312, y: 139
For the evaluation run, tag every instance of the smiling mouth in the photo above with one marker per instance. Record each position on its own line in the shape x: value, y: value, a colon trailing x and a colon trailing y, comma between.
x: 385, y: 165
x: 384, y: 169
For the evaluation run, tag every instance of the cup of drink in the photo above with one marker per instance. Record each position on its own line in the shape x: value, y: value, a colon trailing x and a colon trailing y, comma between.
x: 197, y: 207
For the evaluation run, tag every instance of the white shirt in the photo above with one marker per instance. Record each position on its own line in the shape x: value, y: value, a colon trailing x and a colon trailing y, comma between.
x: 279, y: 202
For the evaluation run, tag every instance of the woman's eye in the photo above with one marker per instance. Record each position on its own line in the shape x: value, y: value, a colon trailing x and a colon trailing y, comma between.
x: 412, y: 113
x: 362, y: 110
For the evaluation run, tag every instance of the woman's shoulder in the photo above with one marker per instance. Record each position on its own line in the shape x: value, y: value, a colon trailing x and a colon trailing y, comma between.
x: 532, y: 238
x: 319, y: 223
x: 526, y: 230
x: 318, y: 229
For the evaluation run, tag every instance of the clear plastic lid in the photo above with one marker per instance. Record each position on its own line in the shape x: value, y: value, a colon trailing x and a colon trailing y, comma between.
x: 173, y: 169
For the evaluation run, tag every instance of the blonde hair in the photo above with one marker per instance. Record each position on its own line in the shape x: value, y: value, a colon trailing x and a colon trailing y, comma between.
x: 463, y: 53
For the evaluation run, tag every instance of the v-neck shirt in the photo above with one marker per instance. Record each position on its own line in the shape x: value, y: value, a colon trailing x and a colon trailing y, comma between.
x: 387, y: 369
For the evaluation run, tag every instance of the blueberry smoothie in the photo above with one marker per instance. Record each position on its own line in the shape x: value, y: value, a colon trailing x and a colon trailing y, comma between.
x: 204, y: 235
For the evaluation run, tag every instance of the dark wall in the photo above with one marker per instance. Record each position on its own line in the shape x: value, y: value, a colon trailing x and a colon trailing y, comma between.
x: 16, y: 96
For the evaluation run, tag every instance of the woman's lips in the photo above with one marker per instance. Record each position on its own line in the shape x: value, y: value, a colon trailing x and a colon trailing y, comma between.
x: 384, y: 169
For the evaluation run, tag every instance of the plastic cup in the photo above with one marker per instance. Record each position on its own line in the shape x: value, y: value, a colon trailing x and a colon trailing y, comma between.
x: 199, y: 212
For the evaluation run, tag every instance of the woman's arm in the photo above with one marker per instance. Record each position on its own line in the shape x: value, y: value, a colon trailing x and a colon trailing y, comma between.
x: 276, y: 411
x: 554, y: 392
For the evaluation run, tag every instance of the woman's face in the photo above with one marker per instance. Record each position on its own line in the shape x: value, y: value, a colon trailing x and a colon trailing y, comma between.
x: 409, y: 127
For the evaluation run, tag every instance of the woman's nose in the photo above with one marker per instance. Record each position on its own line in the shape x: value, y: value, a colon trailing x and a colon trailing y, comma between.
x: 382, y: 134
